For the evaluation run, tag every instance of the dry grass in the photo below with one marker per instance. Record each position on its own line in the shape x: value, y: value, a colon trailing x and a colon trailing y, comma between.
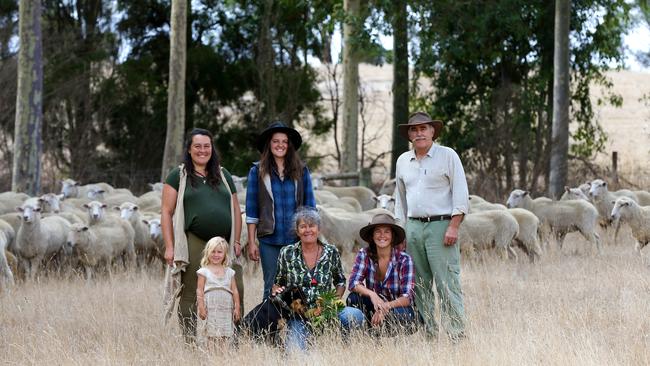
x: 574, y: 307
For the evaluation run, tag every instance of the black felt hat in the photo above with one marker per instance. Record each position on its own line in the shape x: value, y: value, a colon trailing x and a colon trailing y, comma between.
x: 278, y: 126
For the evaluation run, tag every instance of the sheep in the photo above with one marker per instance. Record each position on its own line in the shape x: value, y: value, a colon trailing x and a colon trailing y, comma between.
x: 97, y: 214
x: 560, y: 217
x: 13, y: 220
x: 39, y: 239
x: 239, y: 183
x: 527, y: 238
x: 341, y: 205
x: 150, y: 201
x: 155, y: 235
x: 364, y: 195
x: 50, y: 204
x: 603, y: 199
x: 573, y: 194
x: 156, y: 187
x: 144, y: 246
x: 118, y: 198
x: 98, y: 245
x: 6, y: 275
x: 636, y: 216
x: 9, y: 200
x: 386, y: 202
x: 317, y: 181
x: 323, y: 197
x: 72, y: 189
x: 341, y: 228
x: 388, y: 187
x: 487, y: 229
x: 643, y: 197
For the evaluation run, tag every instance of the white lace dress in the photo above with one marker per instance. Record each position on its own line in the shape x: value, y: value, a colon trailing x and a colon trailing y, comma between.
x: 219, y: 303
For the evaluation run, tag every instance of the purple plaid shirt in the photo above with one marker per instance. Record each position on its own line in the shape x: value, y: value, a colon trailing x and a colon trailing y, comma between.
x: 399, y: 280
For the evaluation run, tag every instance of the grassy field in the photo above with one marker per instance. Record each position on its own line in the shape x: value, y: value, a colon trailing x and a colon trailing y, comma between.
x: 573, y: 307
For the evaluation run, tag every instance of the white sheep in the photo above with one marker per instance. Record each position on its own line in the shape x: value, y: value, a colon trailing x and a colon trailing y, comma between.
x: 97, y: 214
x: 527, y: 238
x: 323, y: 197
x: 388, y: 187
x: 486, y: 230
x: 364, y: 195
x: 574, y: 194
x: 13, y: 220
x: 72, y: 189
x: 50, y: 204
x: 150, y: 201
x: 386, y: 202
x: 643, y: 197
x: 156, y: 187
x: 97, y: 246
x: 39, y: 239
x: 560, y: 217
x: 636, y: 216
x: 155, y: 235
x: 604, y: 199
x: 9, y: 201
x: 144, y: 247
x: 6, y: 275
x: 341, y: 228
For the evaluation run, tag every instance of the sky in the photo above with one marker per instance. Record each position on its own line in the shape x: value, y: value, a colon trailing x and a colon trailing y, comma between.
x: 638, y: 39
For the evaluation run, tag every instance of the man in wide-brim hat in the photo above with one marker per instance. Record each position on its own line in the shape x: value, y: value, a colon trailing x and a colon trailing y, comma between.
x: 431, y: 198
x: 382, y: 281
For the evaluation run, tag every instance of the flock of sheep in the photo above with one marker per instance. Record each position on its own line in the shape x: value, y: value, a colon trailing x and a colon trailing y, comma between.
x: 96, y: 227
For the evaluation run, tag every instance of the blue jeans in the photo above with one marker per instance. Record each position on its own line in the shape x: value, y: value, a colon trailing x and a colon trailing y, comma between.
x: 269, y: 257
x: 298, y: 331
x: 401, y: 318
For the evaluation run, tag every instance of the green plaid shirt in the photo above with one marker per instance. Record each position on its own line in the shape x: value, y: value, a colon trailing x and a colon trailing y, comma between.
x: 327, y: 274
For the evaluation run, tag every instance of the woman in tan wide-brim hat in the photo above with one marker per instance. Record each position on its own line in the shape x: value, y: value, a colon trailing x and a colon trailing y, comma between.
x: 382, y: 281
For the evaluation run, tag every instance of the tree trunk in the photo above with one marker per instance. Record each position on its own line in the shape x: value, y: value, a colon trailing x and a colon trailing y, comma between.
x: 400, y: 79
x: 176, y: 90
x: 560, y: 140
x: 351, y: 87
x: 26, y: 175
x: 265, y: 61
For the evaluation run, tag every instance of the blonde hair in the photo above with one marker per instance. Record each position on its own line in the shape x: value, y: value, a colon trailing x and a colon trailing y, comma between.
x: 215, y: 243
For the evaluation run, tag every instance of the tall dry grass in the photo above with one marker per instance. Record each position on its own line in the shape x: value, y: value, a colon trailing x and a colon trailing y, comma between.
x: 573, y: 307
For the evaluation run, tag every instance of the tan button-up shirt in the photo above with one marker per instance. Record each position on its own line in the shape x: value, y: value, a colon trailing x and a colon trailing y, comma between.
x: 434, y: 185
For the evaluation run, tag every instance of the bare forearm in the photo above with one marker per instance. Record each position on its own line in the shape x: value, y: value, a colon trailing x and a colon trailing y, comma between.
x: 167, y: 229
x: 399, y: 302
x: 252, y: 231
x: 340, y: 290
x: 456, y: 220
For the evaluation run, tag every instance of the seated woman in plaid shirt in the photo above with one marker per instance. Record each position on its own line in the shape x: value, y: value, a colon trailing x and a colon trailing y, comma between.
x: 382, y: 281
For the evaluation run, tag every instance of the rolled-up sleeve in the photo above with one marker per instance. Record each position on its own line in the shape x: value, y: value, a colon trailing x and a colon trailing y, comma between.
x: 252, y: 209
x: 359, y: 270
x: 459, y: 190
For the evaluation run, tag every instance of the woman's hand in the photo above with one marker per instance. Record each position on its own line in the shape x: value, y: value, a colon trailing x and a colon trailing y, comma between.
x: 203, y: 312
x: 169, y: 256
x: 378, y: 318
x: 253, y: 252
x: 235, y: 314
x: 237, y: 249
x: 377, y: 302
x: 276, y: 290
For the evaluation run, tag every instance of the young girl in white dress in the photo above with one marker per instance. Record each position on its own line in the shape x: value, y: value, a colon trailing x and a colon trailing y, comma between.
x: 216, y: 292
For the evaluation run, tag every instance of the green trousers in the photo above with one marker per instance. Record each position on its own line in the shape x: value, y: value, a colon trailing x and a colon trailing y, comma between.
x: 187, y: 304
x: 436, y: 262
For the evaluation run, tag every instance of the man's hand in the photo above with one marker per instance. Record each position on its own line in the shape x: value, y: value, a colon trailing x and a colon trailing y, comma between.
x: 451, y: 235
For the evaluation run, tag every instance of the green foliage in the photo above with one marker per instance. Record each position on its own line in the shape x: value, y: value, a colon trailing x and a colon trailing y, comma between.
x: 492, y: 69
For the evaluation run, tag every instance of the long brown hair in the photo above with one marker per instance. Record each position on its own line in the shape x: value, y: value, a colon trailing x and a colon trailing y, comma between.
x: 372, y: 246
x: 293, y: 166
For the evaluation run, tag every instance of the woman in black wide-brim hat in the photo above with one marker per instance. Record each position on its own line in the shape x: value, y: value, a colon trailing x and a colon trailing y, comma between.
x: 382, y: 281
x: 277, y: 185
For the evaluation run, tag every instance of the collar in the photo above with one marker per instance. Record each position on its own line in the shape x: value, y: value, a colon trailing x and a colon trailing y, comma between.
x: 429, y: 153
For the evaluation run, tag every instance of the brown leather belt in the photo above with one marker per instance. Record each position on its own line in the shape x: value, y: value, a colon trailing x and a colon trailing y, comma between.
x: 432, y: 218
